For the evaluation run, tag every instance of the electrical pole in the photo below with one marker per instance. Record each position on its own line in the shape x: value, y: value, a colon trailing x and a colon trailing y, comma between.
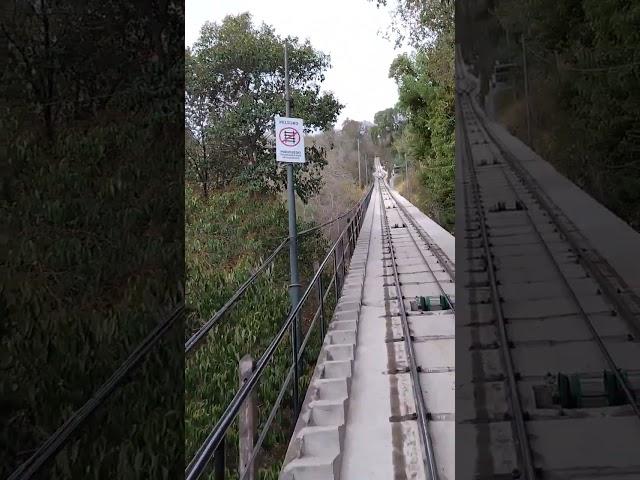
x: 294, y: 287
x: 359, y: 174
x: 406, y: 175
x: 366, y: 170
x: 526, y: 90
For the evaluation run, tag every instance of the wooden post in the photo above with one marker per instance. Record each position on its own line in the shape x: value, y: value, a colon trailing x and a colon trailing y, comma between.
x: 247, y: 421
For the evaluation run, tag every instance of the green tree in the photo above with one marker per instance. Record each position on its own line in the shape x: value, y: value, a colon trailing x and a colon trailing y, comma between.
x: 426, y: 89
x: 420, y: 22
x: 389, y: 124
x: 582, y: 67
x: 234, y: 89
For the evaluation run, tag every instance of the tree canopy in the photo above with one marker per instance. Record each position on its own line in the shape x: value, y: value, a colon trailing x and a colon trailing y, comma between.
x: 235, y: 86
x: 583, y: 64
x: 422, y: 123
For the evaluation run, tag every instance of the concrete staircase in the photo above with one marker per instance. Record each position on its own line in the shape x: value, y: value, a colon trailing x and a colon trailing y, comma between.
x: 315, y: 450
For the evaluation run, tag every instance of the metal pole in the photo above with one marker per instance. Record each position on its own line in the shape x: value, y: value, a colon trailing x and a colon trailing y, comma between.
x: 406, y: 175
x: 366, y: 170
x: 218, y: 461
x: 359, y: 174
x: 526, y: 90
x: 335, y: 274
x: 294, y: 288
x: 316, y: 267
x: 247, y: 422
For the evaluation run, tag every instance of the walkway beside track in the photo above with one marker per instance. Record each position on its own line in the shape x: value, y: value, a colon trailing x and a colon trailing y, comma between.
x: 368, y: 427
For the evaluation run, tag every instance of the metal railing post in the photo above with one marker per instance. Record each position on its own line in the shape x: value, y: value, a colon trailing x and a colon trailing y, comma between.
x: 247, y: 422
x: 352, y: 244
x: 296, y: 373
x: 335, y: 274
x: 342, y: 261
x: 218, y: 461
x: 316, y: 267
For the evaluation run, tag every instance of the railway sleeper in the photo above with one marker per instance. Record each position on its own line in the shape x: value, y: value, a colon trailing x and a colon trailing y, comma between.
x: 570, y: 391
x: 518, y: 205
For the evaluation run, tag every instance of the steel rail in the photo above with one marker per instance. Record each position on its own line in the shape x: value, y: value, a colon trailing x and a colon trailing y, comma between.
x: 428, y: 453
x: 521, y: 438
x: 424, y: 259
x: 545, y: 202
x: 59, y: 438
x: 444, y: 259
x: 582, y: 313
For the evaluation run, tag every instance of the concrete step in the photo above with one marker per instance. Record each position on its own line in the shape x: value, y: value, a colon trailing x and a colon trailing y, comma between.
x: 336, y: 368
x: 315, y: 451
x: 328, y: 388
x: 351, y: 298
x: 353, y: 287
x: 344, y: 306
x: 353, y: 283
x: 322, y: 441
x: 347, y: 315
x: 344, y: 325
x: 313, y: 468
x: 325, y: 413
x: 339, y: 337
x: 339, y: 352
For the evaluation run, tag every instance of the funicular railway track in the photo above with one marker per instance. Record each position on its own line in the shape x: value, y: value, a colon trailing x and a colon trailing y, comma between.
x: 554, y: 354
x: 428, y: 353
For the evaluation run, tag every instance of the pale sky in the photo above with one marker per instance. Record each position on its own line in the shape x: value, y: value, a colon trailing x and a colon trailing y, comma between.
x: 350, y: 31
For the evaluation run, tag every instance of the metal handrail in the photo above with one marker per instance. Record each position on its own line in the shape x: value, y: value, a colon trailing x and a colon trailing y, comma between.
x: 214, y: 443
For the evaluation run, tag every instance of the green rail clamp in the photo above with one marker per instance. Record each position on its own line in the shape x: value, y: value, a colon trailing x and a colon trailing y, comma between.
x: 424, y: 303
x: 444, y: 303
x: 569, y: 391
x: 576, y: 390
x: 613, y: 389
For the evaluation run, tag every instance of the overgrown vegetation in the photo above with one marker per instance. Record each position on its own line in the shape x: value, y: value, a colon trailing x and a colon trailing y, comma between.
x: 426, y: 87
x: 583, y: 64
x: 236, y: 216
x: 90, y: 248
x: 227, y: 235
x: 343, y: 180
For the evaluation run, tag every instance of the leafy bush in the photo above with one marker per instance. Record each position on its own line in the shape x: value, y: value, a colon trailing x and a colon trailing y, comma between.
x: 227, y: 235
x: 83, y: 283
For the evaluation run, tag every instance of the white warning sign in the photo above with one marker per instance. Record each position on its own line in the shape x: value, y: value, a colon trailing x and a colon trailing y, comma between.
x: 289, y: 140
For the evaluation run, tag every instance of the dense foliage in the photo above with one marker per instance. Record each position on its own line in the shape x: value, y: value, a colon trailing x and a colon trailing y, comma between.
x: 386, y: 133
x: 236, y: 216
x: 90, y: 251
x: 228, y: 234
x: 425, y: 81
x: 583, y: 65
x: 235, y: 86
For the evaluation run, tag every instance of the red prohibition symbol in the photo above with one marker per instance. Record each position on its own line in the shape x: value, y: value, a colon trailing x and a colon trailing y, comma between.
x: 289, y: 136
